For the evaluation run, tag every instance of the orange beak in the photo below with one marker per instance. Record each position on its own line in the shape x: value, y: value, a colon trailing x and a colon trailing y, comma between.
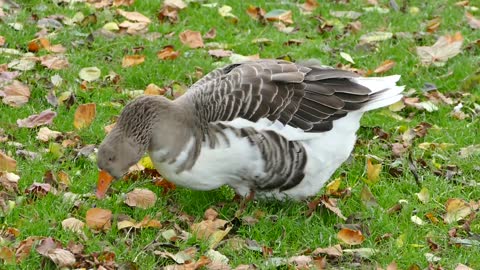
x: 103, y: 183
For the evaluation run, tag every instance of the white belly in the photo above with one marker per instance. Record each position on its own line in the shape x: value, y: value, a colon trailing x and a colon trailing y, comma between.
x: 233, y: 164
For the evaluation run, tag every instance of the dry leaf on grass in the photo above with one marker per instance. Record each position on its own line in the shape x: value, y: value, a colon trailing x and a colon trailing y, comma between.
x: 256, y: 13
x: 15, y: 94
x: 134, y: 28
x: 333, y: 251
x: 472, y: 21
x: 73, y: 224
x: 456, y: 209
x: 54, y: 62
x: 167, y: 53
x: 89, y: 74
x: 43, y: 118
x: 147, y: 222
x: 45, y: 134
x: 226, y: 12
x: 132, y: 60
x: 133, y: 16
x: 331, y: 204
x: 279, y: 15
x: 8, y: 180
x: 98, y: 219
x: 384, y: 67
x: 154, y: 90
x: 84, y: 115
x: 211, y: 229
x: 373, y: 172
x: 192, y: 39
x: 141, y: 198
x: 375, y: 37
x: 61, y: 257
x: 445, y: 48
x: 350, y: 237
x: 462, y: 267
x: 308, y: 6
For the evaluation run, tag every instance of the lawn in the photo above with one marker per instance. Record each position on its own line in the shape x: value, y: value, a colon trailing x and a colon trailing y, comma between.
x: 414, y: 208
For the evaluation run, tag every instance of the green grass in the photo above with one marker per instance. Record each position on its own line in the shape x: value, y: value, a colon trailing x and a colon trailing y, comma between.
x: 284, y: 227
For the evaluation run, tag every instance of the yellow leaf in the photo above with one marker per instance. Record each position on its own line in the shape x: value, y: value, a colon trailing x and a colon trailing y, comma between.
x: 84, y: 115
x: 373, y: 172
x: 457, y: 209
x: 350, y: 237
x: 333, y: 186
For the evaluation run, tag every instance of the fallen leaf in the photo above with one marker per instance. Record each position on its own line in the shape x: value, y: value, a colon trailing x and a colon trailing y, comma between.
x: 154, y: 90
x: 415, y: 219
x: 212, y: 229
x: 84, y: 115
x: 280, y: 15
x: 45, y: 134
x: 236, y: 58
x: 333, y: 251
x: 469, y: 151
x: 226, y: 12
x: 43, y: 118
x: 472, y: 21
x: 39, y: 189
x: 46, y: 245
x: 73, y: 224
x: 462, y: 267
x: 361, y: 252
x: 384, y: 67
x: 24, y: 64
x: 61, y: 257
x: 347, y: 57
x: 133, y: 28
x: 211, y: 34
x: 456, y: 209
x: 165, y: 184
x: 15, y: 94
x: 147, y: 222
x: 373, y: 172
x: 433, y: 24
x: 132, y: 60
x: 141, y: 198
x: 220, y: 53
x: 111, y: 26
x: 331, y: 204
x: 133, y: 16
x: 192, y: 39
x: 375, y: 37
x: 367, y: 197
x: 256, y: 13
x: 8, y: 180
x: 350, y: 237
x: 353, y: 15
x: 98, y: 219
x: 333, y: 186
x: 168, y: 53
x: 431, y: 258
x: 169, y: 12
x: 103, y: 183
x: 423, y: 195
x: 308, y: 6
x: 89, y: 74
x: 445, y: 48
x: 178, y: 4
x: 7, y: 255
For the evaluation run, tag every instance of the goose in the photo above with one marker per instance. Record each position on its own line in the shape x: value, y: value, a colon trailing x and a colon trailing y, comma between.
x: 268, y: 128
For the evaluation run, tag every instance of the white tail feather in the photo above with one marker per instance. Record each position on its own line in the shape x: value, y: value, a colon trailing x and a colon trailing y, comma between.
x: 385, y: 91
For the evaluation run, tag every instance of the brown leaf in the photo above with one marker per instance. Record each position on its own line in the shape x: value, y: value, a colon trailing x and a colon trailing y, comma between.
x: 46, y: 245
x: 456, y: 209
x: 73, y: 224
x: 350, y: 237
x: 24, y: 248
x: 147, y: 222
x: 2, y: 41
x: 472, y: 21
x: 433, y: 24
x: 309, y: 5
x: 15, y: 94
x: 132, y: 60
x: 168, y: 53
x: 45, y: 134
x: 38, y: 189
x: 445, y: 48
x: 55, y: 62
x: 141, y: 198
x: 256, y: 13
x: 44, y: 118
x: 331, y: 204
x: 211, y: 34
x: 117, y: 3
x: 61, y: 257
x: 134, y: 16
x: 7, y: 255
x: 154, y: 90
x: 133, y: 28
x: 220, y: 53
x: 212, y: 229
x: 333, y: 251
x: 392, y: 266
x: 8, y: 180
x: 385, y: 66
x: 462, y: 267
x: 168, y: 12
x: 279, y: 15
x: 84, y: 115
x: 98, y: 219
x: 192, y: 39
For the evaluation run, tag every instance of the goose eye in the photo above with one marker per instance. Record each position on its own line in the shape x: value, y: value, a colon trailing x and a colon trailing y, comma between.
x: 111, y: 158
